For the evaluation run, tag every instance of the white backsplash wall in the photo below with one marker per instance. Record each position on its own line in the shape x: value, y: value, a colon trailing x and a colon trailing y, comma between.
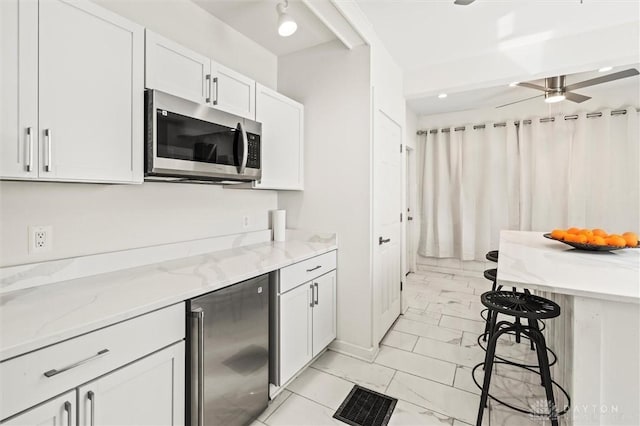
x: 94, y: 218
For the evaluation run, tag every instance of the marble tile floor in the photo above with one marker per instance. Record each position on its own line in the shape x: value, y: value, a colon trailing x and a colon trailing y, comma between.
x: 425, y: 361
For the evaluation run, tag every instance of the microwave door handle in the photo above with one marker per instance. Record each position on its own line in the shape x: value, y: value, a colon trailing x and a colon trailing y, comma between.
x: 245, y: 148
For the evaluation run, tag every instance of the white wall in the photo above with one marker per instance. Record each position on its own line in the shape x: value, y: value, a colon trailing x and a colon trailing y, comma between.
x: 88, y: 218
x: 185, y: 22
x: 333, y: 84
x: 92, y: 218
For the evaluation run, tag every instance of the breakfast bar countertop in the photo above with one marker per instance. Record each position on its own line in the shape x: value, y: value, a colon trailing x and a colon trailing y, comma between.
x: 528, y: 259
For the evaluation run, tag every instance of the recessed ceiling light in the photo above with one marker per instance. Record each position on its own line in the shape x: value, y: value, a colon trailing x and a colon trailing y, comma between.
x: 514, y: 84
x: 442, y: 95
x: 605, y: 69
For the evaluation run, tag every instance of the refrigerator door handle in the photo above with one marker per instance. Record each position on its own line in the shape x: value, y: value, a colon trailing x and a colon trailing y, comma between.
x: 197, y: 359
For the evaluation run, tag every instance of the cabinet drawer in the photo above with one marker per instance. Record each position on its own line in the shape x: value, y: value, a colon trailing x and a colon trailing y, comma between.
x: 42, y: 374
x: 301, y: 272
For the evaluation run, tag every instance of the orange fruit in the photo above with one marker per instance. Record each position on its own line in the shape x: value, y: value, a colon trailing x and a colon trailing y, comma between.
x: 599, y: 241
x: 599, y: 232
x: 616, y: 241
x: 591, y: 239
x: 558, y: 234
x: 631, y: 239
x: 586, y: 232
x: 580, y: 238
x: 570, y: 238
x: 573, y: 230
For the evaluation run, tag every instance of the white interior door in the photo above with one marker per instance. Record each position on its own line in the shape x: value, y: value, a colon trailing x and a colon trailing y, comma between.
x: 411, y: 230
x: 387, y: 227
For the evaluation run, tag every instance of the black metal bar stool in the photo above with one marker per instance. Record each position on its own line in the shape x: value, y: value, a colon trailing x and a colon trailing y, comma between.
x: 531, y: 308
x: 492, y: 256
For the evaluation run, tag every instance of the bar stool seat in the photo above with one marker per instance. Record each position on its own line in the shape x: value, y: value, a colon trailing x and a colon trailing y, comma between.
x: 492, y: 256
x: 532, y: 308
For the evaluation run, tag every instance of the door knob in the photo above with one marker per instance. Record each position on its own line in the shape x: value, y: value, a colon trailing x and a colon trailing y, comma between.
x: 409, y: 217
x: 382, y: 240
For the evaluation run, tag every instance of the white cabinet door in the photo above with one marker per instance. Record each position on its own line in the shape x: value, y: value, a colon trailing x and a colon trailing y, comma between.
x: 91, y: 92
x: 174, y: 69
x: 150, y: 391
x: 282, y: 140
x: 295, y: 331
x: 59, y: 411
x: 233, y: 92
x: 324, y: 311
x: 19, y: 89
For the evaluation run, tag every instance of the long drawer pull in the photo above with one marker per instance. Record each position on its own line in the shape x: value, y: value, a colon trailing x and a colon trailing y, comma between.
x: 313, y: 269
x: 53, y: 372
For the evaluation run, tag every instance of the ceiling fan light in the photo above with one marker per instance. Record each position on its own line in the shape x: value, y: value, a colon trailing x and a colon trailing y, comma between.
x: 286, y: 24
x: 554, y: 97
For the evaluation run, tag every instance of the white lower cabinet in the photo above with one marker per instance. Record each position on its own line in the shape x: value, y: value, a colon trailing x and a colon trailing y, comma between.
x: 156, y: 384
x: 324, y: 311
x: 296, y: 330
x: 129, y: 373
x: 58, y: 411
x: 306, y: 315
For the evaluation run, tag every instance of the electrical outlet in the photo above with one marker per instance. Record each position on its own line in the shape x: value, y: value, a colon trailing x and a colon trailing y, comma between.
x: 40, y: 239
x: 245, y: 221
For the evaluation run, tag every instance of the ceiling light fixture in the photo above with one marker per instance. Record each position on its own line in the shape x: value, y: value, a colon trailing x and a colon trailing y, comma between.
x: 442, y: 95
x: 605, y: 69
x: 554, y: 96
x: 514, y: 84
x: 286, y: 24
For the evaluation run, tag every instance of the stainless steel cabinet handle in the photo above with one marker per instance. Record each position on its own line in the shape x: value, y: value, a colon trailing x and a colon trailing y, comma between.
x: 48, y: 159
x: 317, y: 292
x: 313, y: 269
x: 312, y: 296
x: 92, y: 398
x: 29, y: 149
x: 197, y: 411
x: 67, y: 409
x: 207, y: 80
x: 245, y: 148
x: 382, y: 240
x: 215, y: 83
x: 54, y: 372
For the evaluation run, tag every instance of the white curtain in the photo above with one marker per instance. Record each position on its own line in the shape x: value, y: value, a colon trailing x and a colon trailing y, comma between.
x: 476, y: 182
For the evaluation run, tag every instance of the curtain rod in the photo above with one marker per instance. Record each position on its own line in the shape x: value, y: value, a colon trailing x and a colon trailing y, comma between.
x: 517, y: 123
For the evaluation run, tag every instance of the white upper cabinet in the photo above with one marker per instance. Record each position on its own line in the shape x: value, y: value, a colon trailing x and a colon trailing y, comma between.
x: 19, y: 89
x: 174, y: 69
x: 91, y: 94
x: 282, y: 140
x: 171, y: 68
x: 75, y: 110
x: 233, y: 92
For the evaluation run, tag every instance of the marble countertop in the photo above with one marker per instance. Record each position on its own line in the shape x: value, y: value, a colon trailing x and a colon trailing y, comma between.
x: 527, y: 259
x: 35, y: 317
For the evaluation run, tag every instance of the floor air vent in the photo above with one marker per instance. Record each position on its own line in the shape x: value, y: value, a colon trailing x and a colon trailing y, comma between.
x: 364, y: 407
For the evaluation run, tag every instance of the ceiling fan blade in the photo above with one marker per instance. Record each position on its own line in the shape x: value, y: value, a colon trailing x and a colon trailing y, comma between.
x: 574, y: 97
x: 532, y: 86
x: 604, y: 79
x: 463, y: 2
x: 521, y: 100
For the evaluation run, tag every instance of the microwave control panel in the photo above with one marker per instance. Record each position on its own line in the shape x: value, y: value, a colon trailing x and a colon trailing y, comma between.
x: 253, y: 155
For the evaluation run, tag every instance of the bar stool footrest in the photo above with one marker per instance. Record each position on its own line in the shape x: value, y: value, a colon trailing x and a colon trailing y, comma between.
x: 506, y: 361
x: 519, y: 409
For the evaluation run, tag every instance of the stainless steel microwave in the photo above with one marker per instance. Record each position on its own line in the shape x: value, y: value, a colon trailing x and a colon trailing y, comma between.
x: 189, y: 141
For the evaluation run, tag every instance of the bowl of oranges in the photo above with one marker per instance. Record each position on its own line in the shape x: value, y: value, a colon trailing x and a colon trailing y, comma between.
x: 594, y: 239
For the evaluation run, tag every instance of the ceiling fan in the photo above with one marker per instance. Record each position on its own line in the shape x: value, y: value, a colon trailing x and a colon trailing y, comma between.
x: 556, y: 89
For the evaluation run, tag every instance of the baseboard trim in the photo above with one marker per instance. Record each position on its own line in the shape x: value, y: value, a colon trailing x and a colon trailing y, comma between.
x: 355, y: 351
